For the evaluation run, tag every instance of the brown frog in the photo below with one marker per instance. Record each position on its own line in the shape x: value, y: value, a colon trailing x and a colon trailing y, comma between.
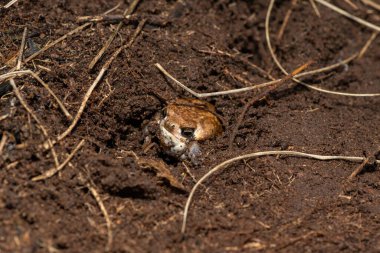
x: 183, y: 123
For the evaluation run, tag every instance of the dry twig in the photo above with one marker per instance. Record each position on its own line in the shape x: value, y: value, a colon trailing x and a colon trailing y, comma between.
x: 274, y: 57
x: 70, y: 33
x: 127, y: 12
x: 262, y: 85
x: 9, y: 4
x: 98, y: 17
x: 21, y: 52
x: 3, y: 141
x: 34, y: 116
x: 3, y: 117
x: 358, y: 169
x: 52, y: 44
x: 97, y: 80
x: 259, y: 97
x: 351, y: 4
x: 286, y: 20
x: 349, y: 15
x: 103, y: 209
x: 239, y: 58
x: 51, y: 172
x: 367, y: 44
x: 45, y: 85
x: 315, y: 8
x: 255, y: 155
x: 372, y: 4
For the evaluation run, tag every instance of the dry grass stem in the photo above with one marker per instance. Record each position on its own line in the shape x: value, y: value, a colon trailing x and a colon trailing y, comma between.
x: 51, y: 172
x: 315, y: 8
x: 371, y: 4
x: 286, y: 20
x: 52, y: 44
x: 348, y: 15
x: 45, y: 85
x: 10, y: 3
x: 34, y: 116
x: 3, y: 141
x: 260, y: 154
x: 3, y: 117
x: 237, y: 77
x: 259, y: 97
x: 188, y: 172
x: 274, y: 57
x: 21, y: 52
x: 88, y: 18
x: 112, y: 9
x: 266, y: 84
x: 97, y: 80
x: 358, y: 169
x: 72, y: 32
x: 351, y: 4
x: 239, y: 58
x: 368, y: 44
x: 103, y: 209
x: 217, y: 93
x: 127, y: 12
x: 103, y: 18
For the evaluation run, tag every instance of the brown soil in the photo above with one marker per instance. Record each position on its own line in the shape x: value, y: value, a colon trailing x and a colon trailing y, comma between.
x: 270, y: 204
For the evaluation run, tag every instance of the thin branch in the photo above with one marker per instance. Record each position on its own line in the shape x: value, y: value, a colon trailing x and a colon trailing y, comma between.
x: 72, y: 32
x: 103, y: 209
x: 351, y: 4
x: 259, y: 97
x: 3, y: 117
x: 97, y: 80
x: 358, y: 169
x: 286, y: 20
x: 372, y: 4
x: 315, y: 8
x: 127, y: 12
x: 348, y: 15
x: 10, y: 3
x: 45, y: 85
x: 367, y: 44
x: 112, y: 9
x: 52, y: 44
x: 34, y: 116
x: 21, y: 52
x: 257, y: 86
x: 260, y: 154
x: 3, y: 141
x: 239, y: 58
x: 274, y: 57
x: 51, y: 172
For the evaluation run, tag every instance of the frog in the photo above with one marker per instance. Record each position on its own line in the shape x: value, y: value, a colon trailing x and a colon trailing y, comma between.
x: 183, y: 123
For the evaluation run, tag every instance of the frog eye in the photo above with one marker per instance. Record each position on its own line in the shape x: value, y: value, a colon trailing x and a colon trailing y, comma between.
x: 187, y: 132
x: 164, y: 112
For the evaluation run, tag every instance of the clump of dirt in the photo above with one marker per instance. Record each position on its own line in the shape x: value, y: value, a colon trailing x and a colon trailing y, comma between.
x: 267, y: 204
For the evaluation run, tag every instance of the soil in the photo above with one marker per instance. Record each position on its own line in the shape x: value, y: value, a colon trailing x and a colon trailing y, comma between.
x: 270, y: 204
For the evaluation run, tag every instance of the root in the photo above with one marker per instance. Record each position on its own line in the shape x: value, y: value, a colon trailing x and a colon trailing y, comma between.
x: 255, y: 155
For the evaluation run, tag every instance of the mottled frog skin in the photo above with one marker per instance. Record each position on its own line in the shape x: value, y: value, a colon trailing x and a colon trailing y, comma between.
x: 183, y: 123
